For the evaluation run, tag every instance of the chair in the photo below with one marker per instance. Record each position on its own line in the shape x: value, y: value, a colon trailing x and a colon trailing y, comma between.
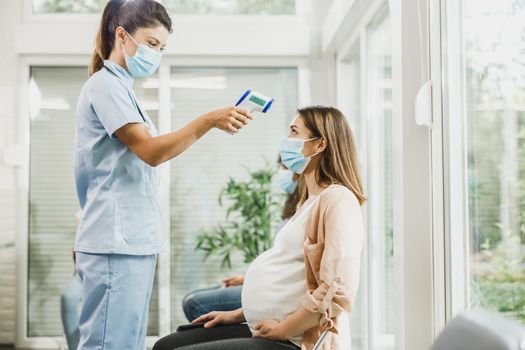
x: 481, y: 330
x: 319, y: 342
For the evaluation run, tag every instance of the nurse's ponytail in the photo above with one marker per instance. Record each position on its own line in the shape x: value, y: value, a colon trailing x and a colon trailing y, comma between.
x: 130, y: 14
x: 105, y: 39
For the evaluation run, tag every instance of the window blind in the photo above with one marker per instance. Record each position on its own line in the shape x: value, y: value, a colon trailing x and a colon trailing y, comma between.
x: 199, y: 174
x: 52, y: 200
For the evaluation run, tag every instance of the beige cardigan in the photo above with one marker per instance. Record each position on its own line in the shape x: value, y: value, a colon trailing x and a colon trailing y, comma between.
x: 332, y: 251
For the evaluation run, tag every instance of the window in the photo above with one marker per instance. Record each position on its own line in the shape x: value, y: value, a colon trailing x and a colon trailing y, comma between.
x: 199, y: 174
x: 487, y: 69
x: 68, y: 6
x: 380, y: 212
x: 364, y: 94
x: 231, y: 7
x: 349, y: 102
x: 178, y: 7
x: 52, y: 201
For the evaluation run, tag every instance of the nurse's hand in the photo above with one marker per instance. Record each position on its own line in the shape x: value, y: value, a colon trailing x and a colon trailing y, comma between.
x: 220, y: 317
x: 230, y: 119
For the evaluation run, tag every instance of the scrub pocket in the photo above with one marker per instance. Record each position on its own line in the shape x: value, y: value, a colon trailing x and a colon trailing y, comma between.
x: 139, y: 219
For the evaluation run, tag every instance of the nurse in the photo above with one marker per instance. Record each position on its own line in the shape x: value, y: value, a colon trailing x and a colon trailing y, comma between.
x: 116, y: 153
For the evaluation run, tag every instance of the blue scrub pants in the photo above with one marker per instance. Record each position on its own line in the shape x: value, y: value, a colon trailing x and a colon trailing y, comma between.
x: 116, y: 291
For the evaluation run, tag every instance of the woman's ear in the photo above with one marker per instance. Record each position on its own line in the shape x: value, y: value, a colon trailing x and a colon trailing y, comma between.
x: 120, y: 34
x: 321, y: 146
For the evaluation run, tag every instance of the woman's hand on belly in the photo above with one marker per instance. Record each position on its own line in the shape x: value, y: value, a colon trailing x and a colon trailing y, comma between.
x: 293, y: 325
x: 214, y: 318
x: 270, y: 329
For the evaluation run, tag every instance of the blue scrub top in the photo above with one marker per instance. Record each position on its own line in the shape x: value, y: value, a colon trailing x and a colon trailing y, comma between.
x: 117, y: 191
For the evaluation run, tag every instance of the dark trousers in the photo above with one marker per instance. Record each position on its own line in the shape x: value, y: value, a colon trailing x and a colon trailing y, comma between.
x: 222, y: 337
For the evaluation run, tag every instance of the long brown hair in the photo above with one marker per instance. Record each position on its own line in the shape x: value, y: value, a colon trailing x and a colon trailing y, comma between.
x: 130, y: 14
x: 338, y: 163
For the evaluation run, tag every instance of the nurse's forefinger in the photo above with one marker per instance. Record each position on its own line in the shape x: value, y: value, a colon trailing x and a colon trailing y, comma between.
x: 244, y: 113
x: 240, y: 117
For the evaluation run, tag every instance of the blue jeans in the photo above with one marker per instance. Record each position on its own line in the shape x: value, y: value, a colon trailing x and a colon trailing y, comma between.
x: 69, y: 303
x: 200, y: 302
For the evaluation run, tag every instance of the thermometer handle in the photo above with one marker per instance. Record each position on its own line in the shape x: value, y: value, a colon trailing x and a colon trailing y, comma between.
x: 231, y: 133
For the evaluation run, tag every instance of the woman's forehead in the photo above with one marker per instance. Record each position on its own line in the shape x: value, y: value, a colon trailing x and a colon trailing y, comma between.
x: 297, y: 121
x: 159, y: 33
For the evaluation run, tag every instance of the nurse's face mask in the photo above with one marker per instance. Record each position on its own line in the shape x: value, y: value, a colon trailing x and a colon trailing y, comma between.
x: 145, y: 62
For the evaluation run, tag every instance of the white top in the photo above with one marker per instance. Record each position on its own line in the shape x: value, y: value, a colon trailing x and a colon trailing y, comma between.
x: 275, y: 284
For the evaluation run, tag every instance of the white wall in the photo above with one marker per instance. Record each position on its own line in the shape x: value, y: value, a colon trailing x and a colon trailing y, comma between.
x: 322, y: 67
x: 10, y: 16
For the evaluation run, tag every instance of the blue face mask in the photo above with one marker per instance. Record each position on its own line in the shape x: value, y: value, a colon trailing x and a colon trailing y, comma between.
x: 286, y: 181
x: 292, y: 155
x: 145, y: 61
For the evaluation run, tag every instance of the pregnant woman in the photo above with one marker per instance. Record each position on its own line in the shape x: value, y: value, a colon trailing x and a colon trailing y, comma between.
x: 308, y: 280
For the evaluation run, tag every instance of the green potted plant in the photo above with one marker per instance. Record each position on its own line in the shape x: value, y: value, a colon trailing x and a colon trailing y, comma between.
x: 252, y: 210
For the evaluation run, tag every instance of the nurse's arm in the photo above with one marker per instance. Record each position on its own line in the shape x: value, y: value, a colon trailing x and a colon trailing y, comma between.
x: 159, y: 149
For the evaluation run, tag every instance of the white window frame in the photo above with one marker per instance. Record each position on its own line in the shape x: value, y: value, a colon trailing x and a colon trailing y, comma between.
x: 454, y: 136
x: 357, y: 44
x: 357, y: 40
x: 417, y: 274
x: 302, y: 7
x: 441, y: 286
x: 164, y: 260
x: 449, y: 163
x: 416, y: 327
x: 449, y: 173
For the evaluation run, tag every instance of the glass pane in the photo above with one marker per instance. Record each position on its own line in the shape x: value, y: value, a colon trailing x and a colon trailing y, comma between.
x: 231, y: 7
x: 494, y: 83
x: 199, y: 174
x: 178, y: 7
x: 68, y: 6
x: 350, y: 105
x: 53, y: 202
x: 380, y: 225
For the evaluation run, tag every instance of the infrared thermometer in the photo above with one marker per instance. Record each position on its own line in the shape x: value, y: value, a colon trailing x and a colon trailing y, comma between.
x: 254, y: 101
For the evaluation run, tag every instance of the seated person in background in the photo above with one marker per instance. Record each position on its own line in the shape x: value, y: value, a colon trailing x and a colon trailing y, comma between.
x: 69, y: 310
x: 308, y: 280
x: 227, y: 297
x: 69, y: 305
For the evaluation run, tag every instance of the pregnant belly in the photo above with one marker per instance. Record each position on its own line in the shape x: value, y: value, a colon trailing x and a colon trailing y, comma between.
x: 273, y: 289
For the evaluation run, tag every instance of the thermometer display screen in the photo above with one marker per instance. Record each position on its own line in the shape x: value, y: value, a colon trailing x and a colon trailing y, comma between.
x: 257, y: 100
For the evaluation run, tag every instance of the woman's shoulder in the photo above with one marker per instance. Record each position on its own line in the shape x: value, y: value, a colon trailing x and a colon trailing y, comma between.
x: 101, y: 84
x: 101, y: 79
x: 338, y: 194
